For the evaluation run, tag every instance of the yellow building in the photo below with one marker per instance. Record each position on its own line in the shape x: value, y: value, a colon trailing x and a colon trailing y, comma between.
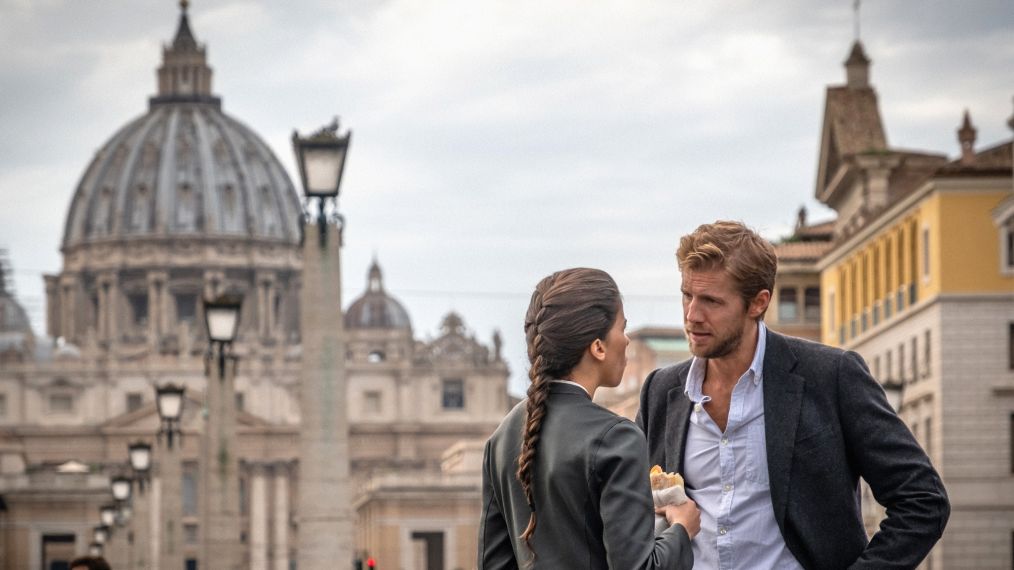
x: 920, y: 282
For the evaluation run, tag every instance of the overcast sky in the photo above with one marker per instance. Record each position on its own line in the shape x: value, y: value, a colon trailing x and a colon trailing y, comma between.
x: 495, y: 141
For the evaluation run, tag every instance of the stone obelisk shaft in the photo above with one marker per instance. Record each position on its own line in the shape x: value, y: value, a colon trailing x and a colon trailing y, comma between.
x: 325, y: 515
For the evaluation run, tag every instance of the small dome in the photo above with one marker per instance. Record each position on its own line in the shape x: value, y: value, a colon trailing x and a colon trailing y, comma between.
x: 375, y: 309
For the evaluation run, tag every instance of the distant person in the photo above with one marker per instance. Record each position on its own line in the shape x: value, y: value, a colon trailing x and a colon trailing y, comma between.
x: 772, y: 433
x: 565, y: 481
x: 90, y: 563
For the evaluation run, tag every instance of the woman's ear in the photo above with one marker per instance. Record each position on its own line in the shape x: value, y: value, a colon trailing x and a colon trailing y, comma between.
x: 597, y: 349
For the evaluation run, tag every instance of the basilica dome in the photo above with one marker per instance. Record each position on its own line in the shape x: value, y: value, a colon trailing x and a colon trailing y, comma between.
x: 183, y: 169
x: 375, y: 309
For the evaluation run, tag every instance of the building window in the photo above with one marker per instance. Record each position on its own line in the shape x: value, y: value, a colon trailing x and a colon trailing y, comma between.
x: 831, y: 308
x: 901, y: 362
x: 811, y: 304
x: 138, y: 308
x: 371, y: 402
x: 244, y: 498
x: 1011, y: 438
x: 927, y: 353
x: 890, y: 365
x: 928, y: 428
x: 186, y: 308
x: 3, y: 405
x: 453, y: 394
x: 61, y: 403
x: 1010, y: 346
x: 876, y: 367
x: 1008, y: 249
x: 190, y: 489
x: 190, y: 533
x: 915, y: 358
x: 925, y: 253
x: 240, y: 401
x: 134, y: 401
x: 787, y: 310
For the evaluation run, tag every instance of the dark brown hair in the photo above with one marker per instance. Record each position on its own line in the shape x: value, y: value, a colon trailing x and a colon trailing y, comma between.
x: 735, y: 248
x: 569, y: 310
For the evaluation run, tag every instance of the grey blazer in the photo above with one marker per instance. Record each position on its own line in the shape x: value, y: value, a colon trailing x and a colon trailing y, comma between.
x: 592, y: 494
x: 827, y: 423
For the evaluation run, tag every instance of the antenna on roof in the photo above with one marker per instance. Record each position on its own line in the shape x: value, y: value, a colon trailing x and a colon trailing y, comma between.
x: 855, y: 17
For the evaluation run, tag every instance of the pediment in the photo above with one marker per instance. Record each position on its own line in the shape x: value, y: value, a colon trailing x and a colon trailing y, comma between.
x: 146, y: 417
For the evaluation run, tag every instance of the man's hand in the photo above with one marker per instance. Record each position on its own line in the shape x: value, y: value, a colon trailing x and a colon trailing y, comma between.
x: 686, y: 514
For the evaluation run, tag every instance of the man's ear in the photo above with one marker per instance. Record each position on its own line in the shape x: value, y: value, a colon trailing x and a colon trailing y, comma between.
x: 759, y: 304
x: 597, y: 350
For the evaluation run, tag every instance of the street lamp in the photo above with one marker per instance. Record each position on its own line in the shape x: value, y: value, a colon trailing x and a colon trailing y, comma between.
x: 139, y: 454
x: 100, y: 534
x: 221, y: 316
x: 894, y: 390
x: 325, y: 529
x: 123, y: 514
x: 169, y: 401
x: 121, y: 487
x: 107, y: 515
x: 321, y: 159
x: 95, y: 550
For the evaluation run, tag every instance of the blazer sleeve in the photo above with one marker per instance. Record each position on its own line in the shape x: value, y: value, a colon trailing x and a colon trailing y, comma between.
x: 496, y: 552
x: 620, y: 464
x: 895, y: 466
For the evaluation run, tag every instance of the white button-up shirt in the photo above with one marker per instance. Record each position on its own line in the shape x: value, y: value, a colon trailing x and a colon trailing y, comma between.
x: 727, y: 474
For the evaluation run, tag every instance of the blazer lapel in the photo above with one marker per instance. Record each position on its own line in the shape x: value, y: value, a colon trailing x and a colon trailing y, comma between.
x: 783, y: 397
x: 677, y: 419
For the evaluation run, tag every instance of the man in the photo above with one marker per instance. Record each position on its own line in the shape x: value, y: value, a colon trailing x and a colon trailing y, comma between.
x: 772, y: 433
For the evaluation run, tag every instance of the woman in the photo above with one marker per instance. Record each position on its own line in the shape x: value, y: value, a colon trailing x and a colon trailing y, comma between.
x: 565, y: 481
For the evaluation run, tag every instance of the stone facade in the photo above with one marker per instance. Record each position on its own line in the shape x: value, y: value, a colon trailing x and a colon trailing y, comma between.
x: 186, y: 203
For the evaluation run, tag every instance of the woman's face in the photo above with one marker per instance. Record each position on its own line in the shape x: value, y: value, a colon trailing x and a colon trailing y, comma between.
x: 616, y: 342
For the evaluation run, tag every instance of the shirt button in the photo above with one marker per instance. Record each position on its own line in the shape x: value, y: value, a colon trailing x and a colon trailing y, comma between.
x: 727, y: 488
x: 725, y: 441
x: 722, y: 531
x: 698, y: 408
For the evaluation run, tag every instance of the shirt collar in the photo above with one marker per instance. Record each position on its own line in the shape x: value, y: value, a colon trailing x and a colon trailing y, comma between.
x: 698, y: 367
x: 573, y: 383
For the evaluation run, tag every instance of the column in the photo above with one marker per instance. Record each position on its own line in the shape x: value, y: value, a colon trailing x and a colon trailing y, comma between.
x: 258, y: 518
x: 52, y: 305
x: 156, y: 314
x: 220, y: 471
x: 140, y: 523
x: 154, y: 522
x: 281, y: 538
x: 171, y: 523
x: 68, y: 286
x: 325, y: 514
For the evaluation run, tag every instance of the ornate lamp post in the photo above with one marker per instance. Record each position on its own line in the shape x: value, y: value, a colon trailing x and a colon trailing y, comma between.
x: 169, y: 400
x: 219, y: 462
x: 325, y: 513
x: 321, y: 160
x: 139, y: 454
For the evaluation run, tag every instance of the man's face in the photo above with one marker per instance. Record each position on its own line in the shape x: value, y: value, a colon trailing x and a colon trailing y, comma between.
x: 715, y: 316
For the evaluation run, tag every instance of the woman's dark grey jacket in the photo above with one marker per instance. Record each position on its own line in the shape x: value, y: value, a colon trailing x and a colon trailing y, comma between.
x: 592, y: 494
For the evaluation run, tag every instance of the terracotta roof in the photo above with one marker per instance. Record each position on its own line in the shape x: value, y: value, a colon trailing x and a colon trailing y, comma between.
x: 823, y: 230
x: 991, y: 161
x: 855, y: 120
x: 802, y: 250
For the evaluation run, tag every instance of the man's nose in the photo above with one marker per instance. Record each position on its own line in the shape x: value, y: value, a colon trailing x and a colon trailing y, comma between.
x: 691, y: 311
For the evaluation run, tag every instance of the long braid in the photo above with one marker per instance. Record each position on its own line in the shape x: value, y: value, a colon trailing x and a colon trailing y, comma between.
x: 568, y: 311
x: 538, y: 394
